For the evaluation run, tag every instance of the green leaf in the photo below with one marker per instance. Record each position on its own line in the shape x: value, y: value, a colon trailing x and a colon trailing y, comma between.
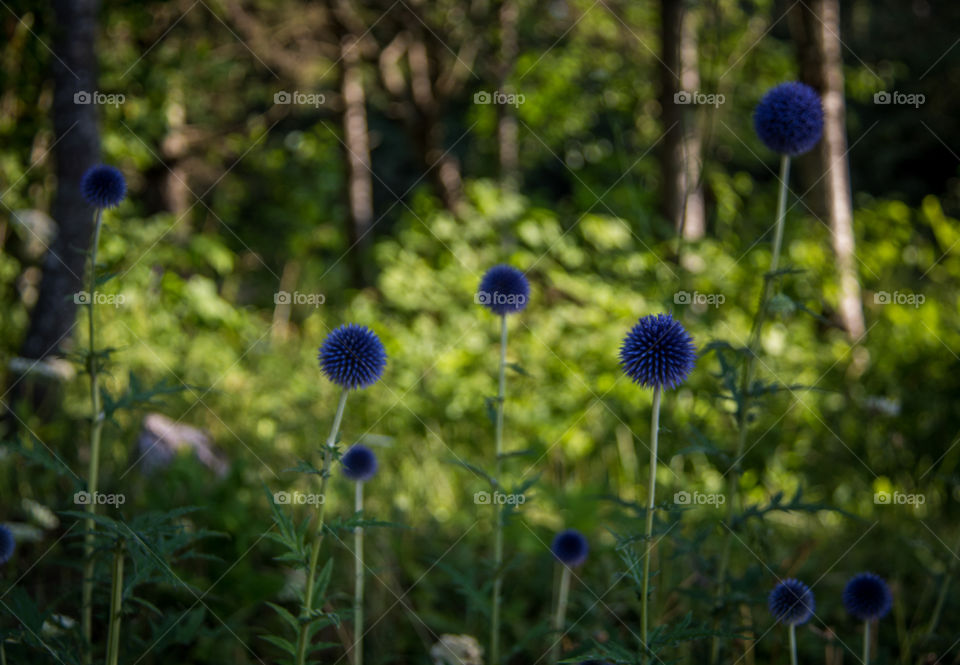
x: 281, y: 643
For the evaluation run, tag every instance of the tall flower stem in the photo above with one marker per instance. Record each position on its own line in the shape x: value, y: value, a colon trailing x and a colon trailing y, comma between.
x: 651, y: 498
x: 793, y: 644
x: 941, y: 598
x: 358, y: 581
x: 733, y: 478
x: 497, y: 508
x: 96, y: 428
x: 116, y: 607
x: 307, y: 612
x: 866, y: 642
x: 560, y: 617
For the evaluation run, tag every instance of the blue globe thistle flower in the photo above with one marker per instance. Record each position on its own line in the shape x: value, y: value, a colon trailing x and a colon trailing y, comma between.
x: 103, y: 186
x: 570, y: 547
x: 352, y: 356
x: 658, y: 352
x: 789, y: 118
x: 7, y: 543
x: 503, y: 290
x: 791, y: 602
x: 867, y: 597
x: 359, y: 463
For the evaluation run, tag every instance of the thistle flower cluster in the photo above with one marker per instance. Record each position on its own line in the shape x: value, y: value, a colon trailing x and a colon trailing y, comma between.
x: 504, y: 290
x: 353, y: 357
x: 658, y: 352
x: 570, y: 548
x: 103, y: 186
x: 791, y: 602
x: 359, y: 463
x: 7, y: 544
x: 789, y: 118
x: 866, y: 597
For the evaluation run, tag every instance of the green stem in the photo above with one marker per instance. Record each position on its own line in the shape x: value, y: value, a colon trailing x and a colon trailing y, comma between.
x: 560, y: 617
x: 116, y: 607
x: 651, y: 492
x: 358, y: 581
x: 93, y: 472
x: 746, y: 381
x: 942, y: 597
x: 793, y: 644
x: 317, y: 540
x: 866, y: 642
x: 497, y: 508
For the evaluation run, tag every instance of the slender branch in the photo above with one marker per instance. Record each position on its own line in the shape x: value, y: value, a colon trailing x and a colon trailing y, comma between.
x: 793, y: 644
x: 746, y: 381
x: 116, y: 607
x: 651, y: 492
x: 307, y: 613
x: 497, y: 508
x: 866, y: 642
x: 96, y: 428
x: 559, y: 619
x: 358, y: 581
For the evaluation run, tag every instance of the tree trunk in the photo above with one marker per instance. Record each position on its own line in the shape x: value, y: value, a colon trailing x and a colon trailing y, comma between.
x: 821, y: 63
x: 507, y: 127
x: 357, y: 139
x: 442, y: 165
x: 77, y: 149
x: 680, y: 155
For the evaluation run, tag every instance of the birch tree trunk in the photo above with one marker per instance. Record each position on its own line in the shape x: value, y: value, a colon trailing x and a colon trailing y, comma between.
x: 680, y: 156
x: 817, y: 33
x: 357, y: 139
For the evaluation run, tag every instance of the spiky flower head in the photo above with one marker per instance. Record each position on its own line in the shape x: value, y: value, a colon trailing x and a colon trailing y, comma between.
x: 658, y: 352
x: 103, y: 186
x: 7, y: 543
x: 791, y: 602
x: 570, y: 547
x: 867, y: 597
x: 503, y: 290
x: 359, y: 463
x: 789, y: 118
x: 352, y: 356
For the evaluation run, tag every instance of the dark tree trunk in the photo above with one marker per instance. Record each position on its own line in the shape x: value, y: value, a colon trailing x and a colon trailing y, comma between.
x: 507, y: 127
x: 77, y: 149
x: 441, y: 164
x: 680, y: 154
x: 817, y: 33
x: 357, y: 140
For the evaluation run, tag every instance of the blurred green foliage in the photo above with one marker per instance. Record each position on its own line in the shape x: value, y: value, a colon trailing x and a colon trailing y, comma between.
x: 199, y: 313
